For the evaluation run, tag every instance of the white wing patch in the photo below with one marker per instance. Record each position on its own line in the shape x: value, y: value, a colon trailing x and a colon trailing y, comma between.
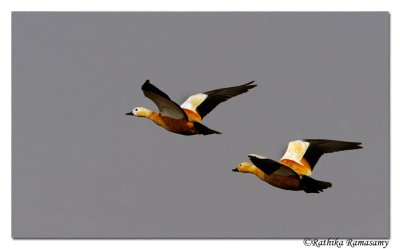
x: 194, y: 101
x: 296, y: 150
x: 258, y: 156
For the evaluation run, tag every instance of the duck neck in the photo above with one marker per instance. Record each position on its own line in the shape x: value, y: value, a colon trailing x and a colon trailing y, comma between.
x: 156, y: 118
x: 260, y: 174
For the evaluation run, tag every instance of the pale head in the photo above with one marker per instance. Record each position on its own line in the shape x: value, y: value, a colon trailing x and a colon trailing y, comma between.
x: 140, y: 112
x: 244, y: 167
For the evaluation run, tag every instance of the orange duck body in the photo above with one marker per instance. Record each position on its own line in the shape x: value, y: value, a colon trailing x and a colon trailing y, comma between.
x: 186, y: 119
x: 179, y: 126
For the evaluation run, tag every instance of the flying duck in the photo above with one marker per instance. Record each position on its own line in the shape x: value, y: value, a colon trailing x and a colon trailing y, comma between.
x: 185, y: 119
x: 293, y: 171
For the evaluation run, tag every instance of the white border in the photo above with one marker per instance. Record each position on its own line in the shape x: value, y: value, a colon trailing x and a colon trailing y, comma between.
x: 205, y: 5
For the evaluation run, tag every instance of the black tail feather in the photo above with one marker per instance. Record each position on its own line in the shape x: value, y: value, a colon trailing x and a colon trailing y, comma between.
x: 204, y: 130
x: 311, y: 185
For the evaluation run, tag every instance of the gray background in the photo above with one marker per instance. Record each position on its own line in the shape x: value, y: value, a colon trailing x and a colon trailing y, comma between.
x: 82, y: 169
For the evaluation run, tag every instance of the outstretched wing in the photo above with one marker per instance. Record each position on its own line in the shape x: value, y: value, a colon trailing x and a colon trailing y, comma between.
x: 269, y: 166
x: 318, y: 147
x: 166, y: 106
x: 303, y: 155
x: 203, y: 103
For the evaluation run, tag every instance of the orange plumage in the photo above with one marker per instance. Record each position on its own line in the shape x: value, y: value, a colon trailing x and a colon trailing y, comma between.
x: 293, y: 171
x: 185, y: 119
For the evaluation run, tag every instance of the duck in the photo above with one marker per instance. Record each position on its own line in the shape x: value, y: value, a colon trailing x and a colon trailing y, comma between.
x: 293, y: 170
x: 185, y: 119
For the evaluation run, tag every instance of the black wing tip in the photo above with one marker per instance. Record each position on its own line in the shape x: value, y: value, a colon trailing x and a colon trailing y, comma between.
x: 235, y: 90
x: 351, y: 145
x: 329, y: 140
x: 249, y: 83
x: 146, y: 85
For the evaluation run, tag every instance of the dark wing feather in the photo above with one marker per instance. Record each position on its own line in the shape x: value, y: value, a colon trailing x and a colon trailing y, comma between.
x: 215, y: 97
x: 269, y: 166
x: 318, y: 147
x: 166, y: 106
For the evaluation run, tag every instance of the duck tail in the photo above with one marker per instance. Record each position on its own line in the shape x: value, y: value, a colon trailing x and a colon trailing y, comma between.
x: 310, y: 185
x: 204, y: 130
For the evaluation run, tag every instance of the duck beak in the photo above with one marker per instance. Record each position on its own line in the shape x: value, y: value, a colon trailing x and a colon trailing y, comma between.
x: 235, y: 170
x: 129, y: 113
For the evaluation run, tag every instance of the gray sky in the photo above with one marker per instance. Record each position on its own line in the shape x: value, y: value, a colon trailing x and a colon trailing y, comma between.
x: 83, y: 169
